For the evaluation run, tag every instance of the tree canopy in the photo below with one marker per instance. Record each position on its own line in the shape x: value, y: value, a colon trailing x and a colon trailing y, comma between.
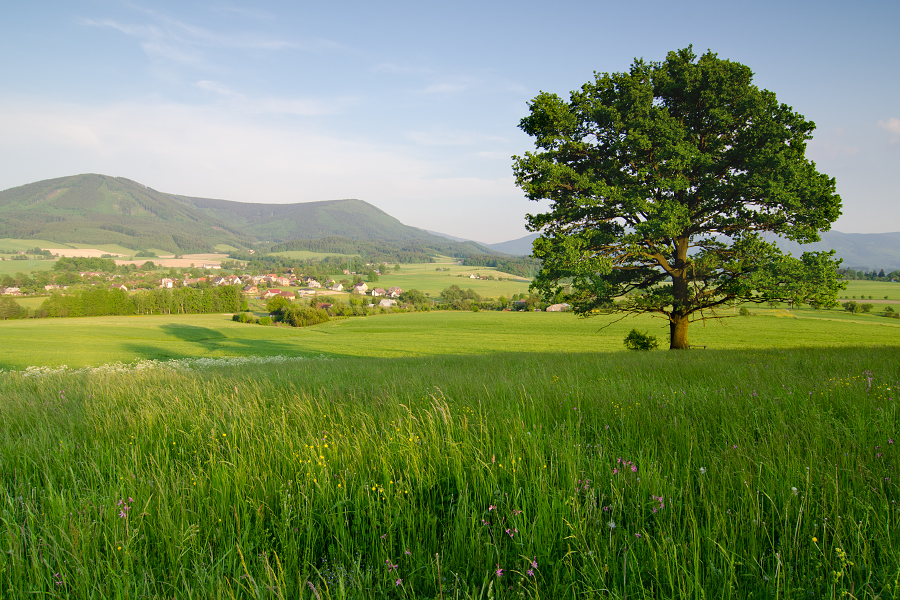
x: 662, y: 183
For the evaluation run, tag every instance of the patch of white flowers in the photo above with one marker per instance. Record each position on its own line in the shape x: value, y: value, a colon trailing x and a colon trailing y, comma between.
x: 178, y: 364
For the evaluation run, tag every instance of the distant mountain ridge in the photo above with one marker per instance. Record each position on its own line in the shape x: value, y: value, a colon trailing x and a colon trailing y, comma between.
x: 99, y: 209
x: 865, y: 251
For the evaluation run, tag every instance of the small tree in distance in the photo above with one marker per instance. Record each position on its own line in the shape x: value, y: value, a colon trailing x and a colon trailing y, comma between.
x: 661, y: 181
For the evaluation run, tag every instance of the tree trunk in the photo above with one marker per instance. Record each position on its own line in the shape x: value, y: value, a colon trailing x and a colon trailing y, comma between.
x: 678, y: 319
x: 678, y: 327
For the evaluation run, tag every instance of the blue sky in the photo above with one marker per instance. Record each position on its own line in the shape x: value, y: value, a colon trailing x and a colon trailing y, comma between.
x: 411, y: 106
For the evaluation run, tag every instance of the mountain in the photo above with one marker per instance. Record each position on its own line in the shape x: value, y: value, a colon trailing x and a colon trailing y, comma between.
x: 99, y: 209
x: 519, y: 247
x: 865, y: 251
x: 859, y: 250
x: 348, y: 218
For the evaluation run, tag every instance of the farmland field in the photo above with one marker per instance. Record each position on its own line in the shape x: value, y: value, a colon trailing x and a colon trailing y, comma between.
x: 306, y: 254
x: 450, y: 455
x: 98, y: 340
x: 11, y: 267
x: 877, y: 289
x: 427, y: 278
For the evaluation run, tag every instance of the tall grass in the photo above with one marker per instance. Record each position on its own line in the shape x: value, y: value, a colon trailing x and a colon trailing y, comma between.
x: 705, y: 474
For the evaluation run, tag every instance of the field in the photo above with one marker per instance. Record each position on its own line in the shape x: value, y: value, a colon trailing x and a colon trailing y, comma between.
x: 11, y: 267
x: 450, y: 455
x: 306, y: 254
x: 877, y: 289
x: 426, y: 278
x: 95, y: 341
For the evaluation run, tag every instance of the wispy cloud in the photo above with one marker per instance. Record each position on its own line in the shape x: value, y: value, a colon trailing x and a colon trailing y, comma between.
x: 396, y: 69
x: 218, y: 88
x: 445, y: 137
x: 172, y: 39
x: 446, y: 87
x: 892, y: 125
x: 216, y: 152
x: 260, y: 15
x: 305, y: 107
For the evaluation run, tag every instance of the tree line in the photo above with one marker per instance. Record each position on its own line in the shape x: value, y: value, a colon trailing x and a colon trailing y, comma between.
x: 523, y: 267
x: 99, y: 302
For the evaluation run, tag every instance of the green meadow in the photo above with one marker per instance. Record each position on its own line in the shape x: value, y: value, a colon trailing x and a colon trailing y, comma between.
x: 450, y: 455
x: 427, y: 278
x: 11, y: 267
x: 877, y: 289
x: 99, y: 340
x: 304, y: 254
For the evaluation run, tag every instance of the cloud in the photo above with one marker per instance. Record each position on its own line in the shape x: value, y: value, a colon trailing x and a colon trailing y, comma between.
x: 892, y: 125
x: 214, y: 151
x: 215, y: 86
x: 304, y: 107
x: 443, y: 137
x: 260, y: 15
x: 173, y: 39
x: 396, y: 69
x: 445, y: 88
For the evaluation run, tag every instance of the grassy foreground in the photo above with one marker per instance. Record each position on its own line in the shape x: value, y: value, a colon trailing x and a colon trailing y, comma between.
x: 729, y: 474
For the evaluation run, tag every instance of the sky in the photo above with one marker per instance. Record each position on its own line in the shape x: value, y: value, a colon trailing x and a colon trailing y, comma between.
x: 411, y: 106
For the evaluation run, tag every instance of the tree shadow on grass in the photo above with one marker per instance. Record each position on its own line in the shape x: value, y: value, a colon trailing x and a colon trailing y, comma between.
x: 214, y: 342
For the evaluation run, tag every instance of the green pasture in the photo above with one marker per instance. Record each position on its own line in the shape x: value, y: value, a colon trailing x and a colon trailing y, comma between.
x: 20, y: 244
x: 877, y: 289
x: 424, y: 277
x: 306, y: 254
x: 107, y: 248
x: 99, y: 340
x: 11, y: 267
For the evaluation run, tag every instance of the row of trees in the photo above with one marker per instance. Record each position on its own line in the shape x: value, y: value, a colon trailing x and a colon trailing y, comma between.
x: 853, y: 274
x: 97, y: 302
x: 523, y: 267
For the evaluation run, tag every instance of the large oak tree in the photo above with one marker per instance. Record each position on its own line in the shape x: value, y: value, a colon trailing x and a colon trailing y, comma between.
x: 663, y: 182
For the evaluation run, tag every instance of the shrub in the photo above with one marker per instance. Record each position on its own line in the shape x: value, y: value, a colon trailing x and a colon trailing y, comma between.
x: 636, y: 340
x: 867, y: 307
x: 744, y: 312
x: 265, y: 320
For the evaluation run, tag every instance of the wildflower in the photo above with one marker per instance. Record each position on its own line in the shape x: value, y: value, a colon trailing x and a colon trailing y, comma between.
x: 795, y: 491
x: 637, y: 535
x: 499, y: 571
x: 407, y: 552
x: 534, y: 564
x: 634, y: 468
x: 815, y: 539
x: 611, y: 525
x: 703, y: 470
x: 398, y: 582
x: 530, y: 572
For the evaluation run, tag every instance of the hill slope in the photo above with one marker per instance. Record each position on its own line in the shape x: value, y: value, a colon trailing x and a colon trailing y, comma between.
x: 98, y: 209
x: 859, y: 250
x: 348, y: 218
